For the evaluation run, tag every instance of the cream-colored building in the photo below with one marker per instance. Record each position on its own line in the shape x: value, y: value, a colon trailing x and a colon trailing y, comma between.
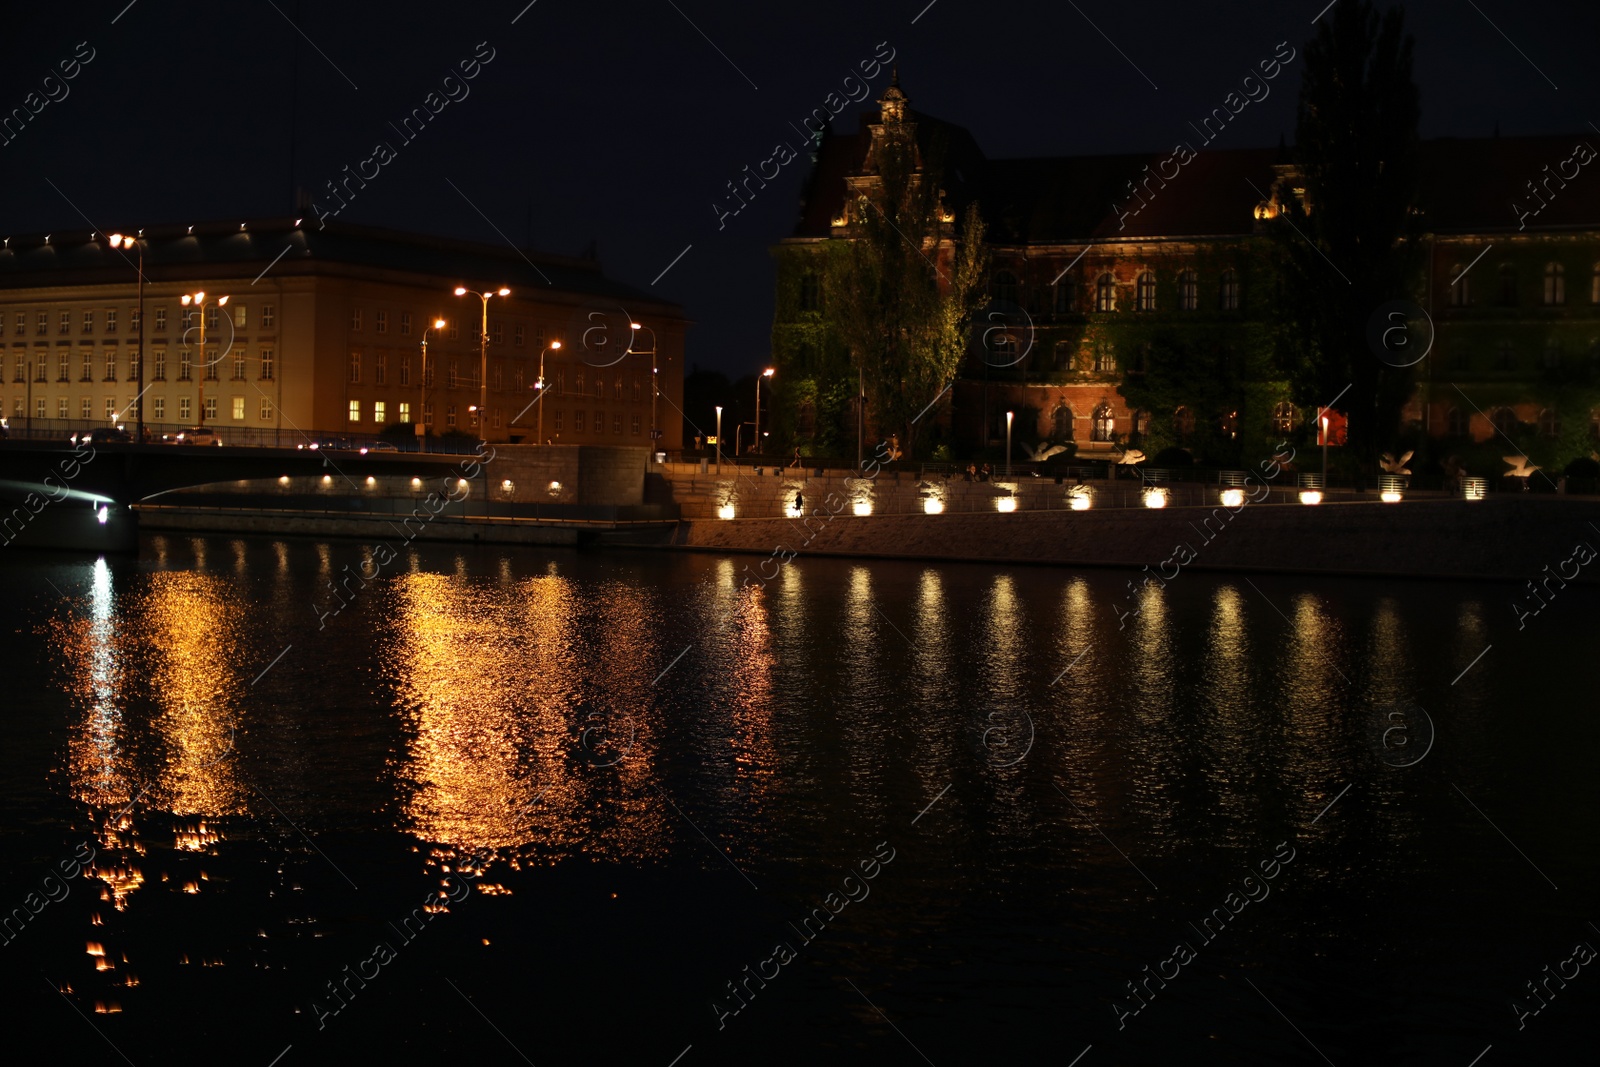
x: 322, y: 336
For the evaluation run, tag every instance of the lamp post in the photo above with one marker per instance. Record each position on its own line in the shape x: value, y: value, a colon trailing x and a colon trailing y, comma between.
x: 719, y: 438
x: 483, y: 354
x: 123, y: 241
x: 422, y: 388
x: 198, y: 300
x: 1009, y: 416
x: 756, y: 443
x: 635, y: 327
x: 861, y: 415
x: 539, y: 385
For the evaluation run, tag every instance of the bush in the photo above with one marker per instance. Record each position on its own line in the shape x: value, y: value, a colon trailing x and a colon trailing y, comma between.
x: 1172, y: 457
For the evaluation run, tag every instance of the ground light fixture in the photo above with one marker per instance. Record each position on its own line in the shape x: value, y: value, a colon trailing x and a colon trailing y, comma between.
x: 1005, y: 503
x: 862, y: 508
x: 1155, y: 497
x: 1474, y: 488
x: 725, y: 511
x: 1391, y: 496
x: 1233, y: 498
x: 932, y: 506
x: 1311, y: 496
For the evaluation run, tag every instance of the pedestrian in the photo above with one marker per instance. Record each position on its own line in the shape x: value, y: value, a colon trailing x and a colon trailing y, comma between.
x: 972, y: 472
x: 985, y: 473
x: 799, y: 503
x: 796, y: 461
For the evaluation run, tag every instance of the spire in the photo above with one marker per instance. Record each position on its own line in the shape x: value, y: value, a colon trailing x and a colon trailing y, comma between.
x: 892, y: 105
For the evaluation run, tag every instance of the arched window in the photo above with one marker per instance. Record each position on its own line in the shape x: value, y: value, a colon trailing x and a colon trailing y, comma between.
x: 1063, y: 355
x: 1503, y: 420
x: 1062, y: 296
x: 1594, y: 285
x: 810, y: 291
x: 1061, y: 424
x: 1460, y: 295
x: 1508, y: 285
x: 1230, y: 290
x: 1455, y: 423
x: 1146, y: 292
x: 1104, y: 424
x: 1141, y: 422
x: 1183, y: 423
x: 1105, y: 357
x: 599, y: 387
x: 1283, y: 417
x: 1188, y: 291
x: 1004, y: 287
x: 1105, y: 293
x: 1549, y: 423
x: 1555, y: 284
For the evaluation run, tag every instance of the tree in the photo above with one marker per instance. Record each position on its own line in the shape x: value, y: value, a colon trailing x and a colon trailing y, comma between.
x: 1346, y: 233
x: 901, y: 292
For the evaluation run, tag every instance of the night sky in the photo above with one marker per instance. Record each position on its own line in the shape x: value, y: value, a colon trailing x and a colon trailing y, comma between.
x: 621, y: 123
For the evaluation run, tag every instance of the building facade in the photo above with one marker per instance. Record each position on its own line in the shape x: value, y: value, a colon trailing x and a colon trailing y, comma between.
x: 323, y: 335
x: 1131, y: 299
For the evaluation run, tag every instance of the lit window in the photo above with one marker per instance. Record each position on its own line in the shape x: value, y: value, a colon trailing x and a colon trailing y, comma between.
x: 1188, y: 291
x: 1105, y: 293
x: 1105, y: 357
x: 1283, y: 416
x: 1145, y: 294
x: 355, y: 411
x: 1104, y: 423
x: 240, y: 316
x: 404, y: 412
x: 238, y: 408
x: 380, y: 411
x: 1555, y: 284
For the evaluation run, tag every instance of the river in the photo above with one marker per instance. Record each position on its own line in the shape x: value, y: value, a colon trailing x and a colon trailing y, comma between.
x: 513, y: 804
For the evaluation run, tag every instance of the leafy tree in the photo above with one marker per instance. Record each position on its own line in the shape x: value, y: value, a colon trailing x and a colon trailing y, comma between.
x: 1347, y: 242
x: 902, y: 292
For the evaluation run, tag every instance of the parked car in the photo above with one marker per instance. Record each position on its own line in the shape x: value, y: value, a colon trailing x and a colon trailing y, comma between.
x: 105, y: 435
x: 199, y: 435
x: 379, y: 446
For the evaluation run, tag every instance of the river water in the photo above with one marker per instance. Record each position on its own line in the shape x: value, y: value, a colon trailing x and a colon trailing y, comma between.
x: 518, y: 804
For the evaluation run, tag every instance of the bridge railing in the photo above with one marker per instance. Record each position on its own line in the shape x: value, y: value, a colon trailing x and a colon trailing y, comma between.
x: 61, y: 430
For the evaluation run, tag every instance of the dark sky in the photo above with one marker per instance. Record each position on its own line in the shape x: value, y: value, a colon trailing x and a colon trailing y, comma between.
x: 621, y: 122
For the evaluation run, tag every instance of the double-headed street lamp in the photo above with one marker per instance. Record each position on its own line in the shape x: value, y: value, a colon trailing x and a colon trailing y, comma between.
x: 136, y: 243
x: 422, y: 386
x: 198, y: 300
x: 655, y: 389
x: 539, y: 385
x: 483, y: 355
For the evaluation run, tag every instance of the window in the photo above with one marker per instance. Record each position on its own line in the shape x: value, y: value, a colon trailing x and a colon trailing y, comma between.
x: 636, y: 426
x: 561, y: 382
x: 1283, y: 415
x: 380, y: 321
x: 62, y: 371
x: 380, y: 411
x: 405, y: 370
x: 558, y: 422
x: 355, y: 411
x: 1105, y: 293
x: 380, y: 368
x: 577, y: 422
x: 240, y: 316
x: 65, y: 322
x: 1508, y: 285
x: 267, y: 368
x: 455, y: 376
x: 1061, y: 424
x: 449, y: 415
x: 453, y: 330
x: 1188, y: 291
x: 158, y: 407
x: 211, y: 358
x: 1594, y: 287
x: 88, y: 365
x: 1504, y: 420
x: 266, y: 316
x: 1460, y: 295
x: 238, y: 365
x: 1555, y: 284
x: 238, y: 407
x: 185, y: 408
x: 161, y: 320
x: 616, y: 424
x: 160, y: 369
x: 1141, y: 422
x: 42, y: 323
x: 38, y: 408
x: 810, y: 291
x: 1104, y: 424
x: 516, y: 378
x: 264, y: 413
x: 427, y: 414
x: 404, y: 413
x: 1183, y: 423
x: 355, y: 368
x: 61, y: 408
x: 355, y: 319
x: 85, y: 408
x: 1230, y: 290
x: 496, y: 413
x: 636, y: 390
x: 1004, y: 287
x: 616, y: 388
x: 578, y: 388
x: 599, y: 387
x: 111, y: 365
x: 134, y: 366
x: 42, y: 367
x: 499, y: 332
x: 1105, y: 357
x: 22, y: 369
x: 1146, y: 292
x: 1061, y: 297
x: 88, y: 322
x: 134, y: 321
x: 16, y: 408
x: 21, y: 321
x: 1549, y: 423
x: 111, y: 320
x: 498, y: 378
x: 213, y: 317
x: 211, y: 407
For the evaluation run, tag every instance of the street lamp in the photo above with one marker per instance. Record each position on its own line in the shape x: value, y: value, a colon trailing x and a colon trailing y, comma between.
x: 422, y: 388
x: 1009, y: 416
x: 539, y: 385
x: 635, y: 327
x: 719, y: 438
x: 483, y: 353
x: 764, y: 374
x: 198, y: 300
x: 123, y: 241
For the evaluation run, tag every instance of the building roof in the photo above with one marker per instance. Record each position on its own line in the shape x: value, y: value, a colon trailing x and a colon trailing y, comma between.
x: 247, y: 250
x: 1467, y: 186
